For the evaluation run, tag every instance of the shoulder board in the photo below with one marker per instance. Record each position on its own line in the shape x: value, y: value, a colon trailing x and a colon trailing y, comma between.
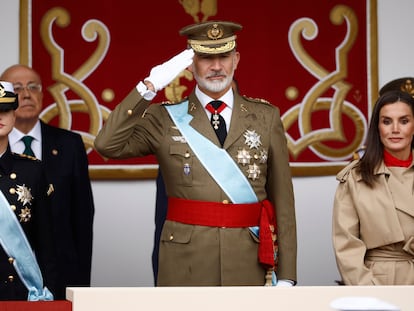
x: 342, y: 176
x: 256, y: 100
x: 24, y: 156
x: 167, y: 102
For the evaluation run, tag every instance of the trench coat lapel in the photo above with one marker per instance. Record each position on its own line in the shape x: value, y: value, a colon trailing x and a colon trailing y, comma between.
x: 400, y: 201
x: 403, y: 202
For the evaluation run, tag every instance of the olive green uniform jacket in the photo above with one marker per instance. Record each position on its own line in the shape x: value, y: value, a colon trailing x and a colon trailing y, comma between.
x: 193, y: 255
x: 373, y: 228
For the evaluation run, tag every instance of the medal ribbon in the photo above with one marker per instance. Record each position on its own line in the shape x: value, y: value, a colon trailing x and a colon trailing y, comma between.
x: 16, y: 245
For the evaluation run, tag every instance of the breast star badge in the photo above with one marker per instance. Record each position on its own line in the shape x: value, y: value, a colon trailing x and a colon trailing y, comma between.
x: 263, y: 156
x: 24, y: 195
x: 253, y: 171
x: 25, y: 214
x: 252, y: 139
x: 243, y: 157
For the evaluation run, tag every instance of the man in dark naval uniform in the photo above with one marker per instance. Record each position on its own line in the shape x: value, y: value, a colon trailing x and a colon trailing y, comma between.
x: 224, y: 159
x: 27, y: 252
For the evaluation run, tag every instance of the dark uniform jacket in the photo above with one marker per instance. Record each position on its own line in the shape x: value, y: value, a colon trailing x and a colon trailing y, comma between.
x: 66, y: 166
x: 192, y: 255
x: 17, y: 173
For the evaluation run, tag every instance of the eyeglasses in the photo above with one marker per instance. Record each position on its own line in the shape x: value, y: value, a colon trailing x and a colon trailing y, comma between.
x: 31, y: 87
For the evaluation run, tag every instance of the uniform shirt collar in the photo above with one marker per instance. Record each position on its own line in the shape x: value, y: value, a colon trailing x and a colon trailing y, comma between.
x: 204, y: 99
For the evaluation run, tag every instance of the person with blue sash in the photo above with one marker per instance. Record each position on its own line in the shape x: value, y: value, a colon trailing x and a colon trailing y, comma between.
x: 224, y: 160
x: 65, y: 163
x: 27, y: 252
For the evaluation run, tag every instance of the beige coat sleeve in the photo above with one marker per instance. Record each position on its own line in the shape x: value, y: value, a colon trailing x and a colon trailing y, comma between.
x: 349, y: 248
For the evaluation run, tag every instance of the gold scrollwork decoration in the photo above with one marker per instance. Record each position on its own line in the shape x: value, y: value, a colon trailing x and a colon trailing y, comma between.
x: 87, y: 103
x: 315, y: 139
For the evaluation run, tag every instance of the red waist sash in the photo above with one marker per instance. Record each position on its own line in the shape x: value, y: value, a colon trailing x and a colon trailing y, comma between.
x: 215, y: 214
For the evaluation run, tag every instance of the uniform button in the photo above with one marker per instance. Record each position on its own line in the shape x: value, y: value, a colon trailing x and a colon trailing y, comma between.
x: 225, y: 201
x: 12, y: 191
x: 129, y: 112
x: 171, y: 237
x: 187, y: 155
x: 10, y: 278
x: 13, y: 207
x: 13, y: 175
x: 11, y: 260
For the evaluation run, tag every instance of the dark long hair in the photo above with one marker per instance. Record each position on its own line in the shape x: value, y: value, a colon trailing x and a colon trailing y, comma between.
x: 374, y: 152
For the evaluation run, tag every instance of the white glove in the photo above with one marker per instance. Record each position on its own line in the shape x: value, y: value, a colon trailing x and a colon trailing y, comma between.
x: 161, y: 75
x: 284, y: 283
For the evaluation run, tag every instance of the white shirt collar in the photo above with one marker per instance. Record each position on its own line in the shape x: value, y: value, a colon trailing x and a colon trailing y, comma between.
x: 17, y: 145
x: 204, y: 99
x: 15, y: 135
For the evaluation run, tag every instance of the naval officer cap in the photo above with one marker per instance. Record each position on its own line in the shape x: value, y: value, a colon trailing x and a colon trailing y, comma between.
x: 8, y: 99
x: 212, y: 37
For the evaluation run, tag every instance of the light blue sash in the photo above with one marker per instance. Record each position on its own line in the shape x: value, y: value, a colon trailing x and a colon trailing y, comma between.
x: 216, y: 160
x: 15, y: 244
x: 224, y: 171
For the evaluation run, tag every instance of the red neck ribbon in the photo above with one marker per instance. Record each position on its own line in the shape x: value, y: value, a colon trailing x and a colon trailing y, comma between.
x: 219, y: 109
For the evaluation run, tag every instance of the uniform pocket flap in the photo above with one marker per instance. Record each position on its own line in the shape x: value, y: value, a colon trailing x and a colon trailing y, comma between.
x: 174, y: 232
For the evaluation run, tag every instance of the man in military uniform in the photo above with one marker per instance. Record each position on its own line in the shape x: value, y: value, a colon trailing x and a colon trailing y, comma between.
x: 224, y: 160
x: 25, y: 222
x: 65, y: 164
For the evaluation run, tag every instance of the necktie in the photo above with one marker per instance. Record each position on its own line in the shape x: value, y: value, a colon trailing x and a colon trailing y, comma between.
x: 217, y: 121
x: 27, y: 140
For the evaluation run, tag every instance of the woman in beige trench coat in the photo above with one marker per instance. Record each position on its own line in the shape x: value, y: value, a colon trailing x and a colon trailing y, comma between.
x: 373, y: 215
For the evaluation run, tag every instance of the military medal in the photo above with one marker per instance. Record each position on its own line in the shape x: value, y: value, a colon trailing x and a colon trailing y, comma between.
x: 243, y: 157
x: 253, y: 171
x: 24, y: 195
x: 215, y: 114
x: 25, y: 214
x: 187, y: 169
x: 262, y: 157
x: 252, y: 139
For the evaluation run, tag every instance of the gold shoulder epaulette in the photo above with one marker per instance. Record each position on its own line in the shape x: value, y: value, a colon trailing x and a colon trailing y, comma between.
x: 25, y: 156
x: 168, y: 102
x: 256, y: 100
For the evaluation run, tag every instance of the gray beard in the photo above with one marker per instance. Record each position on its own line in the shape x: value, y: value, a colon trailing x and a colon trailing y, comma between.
x: 214, y: 86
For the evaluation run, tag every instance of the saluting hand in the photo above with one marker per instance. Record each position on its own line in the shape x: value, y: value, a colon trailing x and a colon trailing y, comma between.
x: 161, y: 75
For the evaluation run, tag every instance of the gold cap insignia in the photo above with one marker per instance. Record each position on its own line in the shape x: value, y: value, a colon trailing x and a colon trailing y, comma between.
x: 215, y: 32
